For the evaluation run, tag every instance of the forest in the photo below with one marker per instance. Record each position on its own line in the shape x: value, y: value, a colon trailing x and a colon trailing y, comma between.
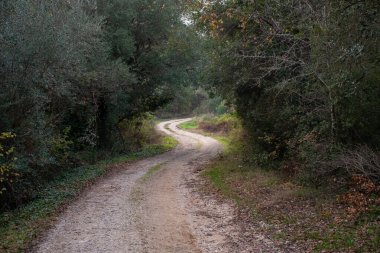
x: 299, y: 80
x: 74, y: 74
x: 303, y: 77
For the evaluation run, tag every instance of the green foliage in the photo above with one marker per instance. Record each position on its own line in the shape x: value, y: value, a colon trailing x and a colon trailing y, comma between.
x: 303, y: 76
x: 61, y: 146
x: 192, y: 100
x: 8, y: 175
x: 47, y: 50
x: 78, y: 77
x: 169, y: 143
x: 137, y: 132
x: 150, y: 37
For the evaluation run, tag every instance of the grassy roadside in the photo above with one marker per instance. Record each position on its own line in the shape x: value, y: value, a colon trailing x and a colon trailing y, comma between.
x: 188, y: 125
x: 19, y: 228
x: 313, y: 219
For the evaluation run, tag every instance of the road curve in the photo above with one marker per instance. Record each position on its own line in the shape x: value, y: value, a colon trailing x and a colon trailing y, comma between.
x: 142, y: 207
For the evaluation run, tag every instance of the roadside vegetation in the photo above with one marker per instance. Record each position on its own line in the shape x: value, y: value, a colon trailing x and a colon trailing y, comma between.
x: 20, y: 228
x: 79, y: 80
x: 281, y: 205
x: 295, y: 82
x: 192, y: 101
x: 301, y: 77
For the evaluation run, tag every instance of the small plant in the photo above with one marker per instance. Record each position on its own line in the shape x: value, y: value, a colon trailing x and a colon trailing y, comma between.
x: 137, y: 132
x: 7, y: 162
x: 61, y: 146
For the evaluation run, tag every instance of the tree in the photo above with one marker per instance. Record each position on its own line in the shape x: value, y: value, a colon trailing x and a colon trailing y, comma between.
x: 73, y: 72
x: 300, y: 73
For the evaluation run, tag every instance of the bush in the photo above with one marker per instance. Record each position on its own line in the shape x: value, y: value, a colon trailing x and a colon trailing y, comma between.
x: 137, y: 132
x: 223, y: 124
x: 361, y: 161
x: 8, y: 174
x: 303, y: 77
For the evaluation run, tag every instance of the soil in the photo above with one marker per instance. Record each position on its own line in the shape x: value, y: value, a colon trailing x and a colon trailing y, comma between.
x: 155, y: 205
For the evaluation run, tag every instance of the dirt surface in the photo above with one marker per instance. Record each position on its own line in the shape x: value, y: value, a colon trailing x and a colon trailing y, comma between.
x: 154, y: 205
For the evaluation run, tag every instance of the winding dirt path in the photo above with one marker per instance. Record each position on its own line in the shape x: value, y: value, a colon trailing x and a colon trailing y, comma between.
x: 153, y: 206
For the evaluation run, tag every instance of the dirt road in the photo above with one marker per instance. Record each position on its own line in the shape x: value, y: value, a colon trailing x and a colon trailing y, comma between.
x: 154, y: 206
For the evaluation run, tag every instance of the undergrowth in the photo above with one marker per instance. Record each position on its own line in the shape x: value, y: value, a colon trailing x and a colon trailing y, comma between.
x: 315, y: 219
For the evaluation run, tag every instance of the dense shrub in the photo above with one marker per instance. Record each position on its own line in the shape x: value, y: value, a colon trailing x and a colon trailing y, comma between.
x: 303, y: 77
x: 77, y: 78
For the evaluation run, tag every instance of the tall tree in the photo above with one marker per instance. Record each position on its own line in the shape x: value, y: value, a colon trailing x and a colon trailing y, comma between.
x: 302, y: 74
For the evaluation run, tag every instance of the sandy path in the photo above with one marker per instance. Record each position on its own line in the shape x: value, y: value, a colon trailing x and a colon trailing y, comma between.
x: 150, y: 206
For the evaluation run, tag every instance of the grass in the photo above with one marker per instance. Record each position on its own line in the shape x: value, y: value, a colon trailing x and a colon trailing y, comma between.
x: 309, y: 217
x: 151, y: 171
x: 19, y: 228
x: 137, y: 194
x: 217, y: 176
x: 192, y: 124
x: 360, y: 236
x: 284, y: 205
